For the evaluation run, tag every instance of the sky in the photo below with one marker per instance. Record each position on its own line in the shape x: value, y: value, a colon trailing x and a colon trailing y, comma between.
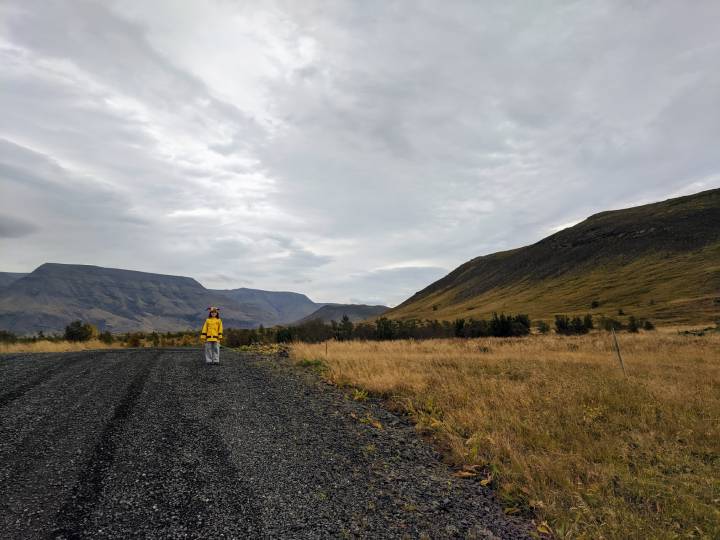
x: 354, y: 151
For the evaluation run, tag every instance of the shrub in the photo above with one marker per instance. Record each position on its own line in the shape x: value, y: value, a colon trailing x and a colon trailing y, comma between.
x: 607, y: 323
x: 543, y: 327
x: 588, y: 322
x: 7, y: 337
x: 384, y: 328
x: 578, y: 326
x: 594, y: 304
x: 106, y: 337
x: 567, y: 326
x: 633, y: 325
x: 78, y: 331
x: 134, y: 339
x: 459, y: 325
x: 648, y: 325
x: 562, y: 324
x: 345, y: 329
x: 283, y: 335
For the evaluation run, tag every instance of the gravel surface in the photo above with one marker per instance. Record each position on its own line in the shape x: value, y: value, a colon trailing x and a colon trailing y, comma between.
x: 154, y: 444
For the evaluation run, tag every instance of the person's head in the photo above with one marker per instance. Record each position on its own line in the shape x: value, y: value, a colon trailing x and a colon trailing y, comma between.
x: 213, y: 312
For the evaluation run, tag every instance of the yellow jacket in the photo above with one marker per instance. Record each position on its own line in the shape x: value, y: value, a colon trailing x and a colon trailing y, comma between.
x: 212, y: 329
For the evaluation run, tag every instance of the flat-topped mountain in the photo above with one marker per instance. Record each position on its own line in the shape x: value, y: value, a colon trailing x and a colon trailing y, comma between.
x: 119, y: 300
x: 6, y: 278
x: 335, y: 312
x: 658, y: 260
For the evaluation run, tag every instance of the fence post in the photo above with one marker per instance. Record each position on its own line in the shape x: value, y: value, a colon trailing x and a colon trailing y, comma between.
x: 617, y: 350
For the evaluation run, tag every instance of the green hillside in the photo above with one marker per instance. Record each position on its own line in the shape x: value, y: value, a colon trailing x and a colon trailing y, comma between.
x: 660, y: 261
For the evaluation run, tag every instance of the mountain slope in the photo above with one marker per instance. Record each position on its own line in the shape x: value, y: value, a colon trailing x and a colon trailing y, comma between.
x: 659, y: 260
x: 335, y: 312
x: 282, y: 307
x: 6, y: 278
x: 118, y: 300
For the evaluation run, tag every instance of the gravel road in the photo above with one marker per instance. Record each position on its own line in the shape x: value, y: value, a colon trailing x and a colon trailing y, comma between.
x: 152, y: 443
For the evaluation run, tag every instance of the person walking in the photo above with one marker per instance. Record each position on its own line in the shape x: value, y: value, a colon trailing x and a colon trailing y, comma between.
x: 212, y: 333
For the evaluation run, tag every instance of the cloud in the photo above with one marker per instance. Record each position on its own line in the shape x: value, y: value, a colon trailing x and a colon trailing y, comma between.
x: 12, y: 227
x: 346, y: 150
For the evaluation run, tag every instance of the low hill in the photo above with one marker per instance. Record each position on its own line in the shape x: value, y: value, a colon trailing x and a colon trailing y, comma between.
x: 6, y: 278
x: 280, y: 307
x: 660, y: 261
x: 118, y: 300
x: 335, y: 312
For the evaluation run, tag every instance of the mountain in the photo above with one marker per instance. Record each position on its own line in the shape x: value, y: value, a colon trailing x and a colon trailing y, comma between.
x: 660, y: 261
x: 6, y: 278
x: 335, y: 312
x: 118, y: 300
x: 280, y: 307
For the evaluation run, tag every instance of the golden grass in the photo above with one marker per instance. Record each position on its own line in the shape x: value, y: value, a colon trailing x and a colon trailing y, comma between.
x: 559, y: 427
x: 56, y: 346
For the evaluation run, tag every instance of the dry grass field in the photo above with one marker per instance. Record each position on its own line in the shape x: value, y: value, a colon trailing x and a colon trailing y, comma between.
x: 43, y: 345
x: 557, y: 428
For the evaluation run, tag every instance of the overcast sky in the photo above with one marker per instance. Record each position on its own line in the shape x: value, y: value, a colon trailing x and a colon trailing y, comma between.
x: 353, y: 151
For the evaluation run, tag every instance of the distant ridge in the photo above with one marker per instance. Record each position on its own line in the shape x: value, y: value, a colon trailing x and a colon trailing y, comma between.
x: 120, y: 300
x: 659, y: 260
x: 335, y: 312
x: 279, y: 307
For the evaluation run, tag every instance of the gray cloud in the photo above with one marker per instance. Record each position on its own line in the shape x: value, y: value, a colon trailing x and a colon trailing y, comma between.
x: 12, y: 227
x: 347, y: 150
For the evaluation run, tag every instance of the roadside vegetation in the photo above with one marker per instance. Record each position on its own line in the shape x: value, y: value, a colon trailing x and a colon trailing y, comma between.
x: 539, y: 410
x: 551, y: 421
x: 82, y: 336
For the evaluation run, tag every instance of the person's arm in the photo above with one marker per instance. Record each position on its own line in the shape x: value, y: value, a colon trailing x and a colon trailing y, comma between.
x: 220, y: 330
x: 203, y: 334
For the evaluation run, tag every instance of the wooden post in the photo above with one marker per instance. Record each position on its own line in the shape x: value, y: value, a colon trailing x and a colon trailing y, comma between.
x: 617, y: 350
x: 326, y: 353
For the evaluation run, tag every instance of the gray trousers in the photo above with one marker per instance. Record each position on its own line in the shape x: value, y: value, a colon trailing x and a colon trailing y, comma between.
x: 212, y: 352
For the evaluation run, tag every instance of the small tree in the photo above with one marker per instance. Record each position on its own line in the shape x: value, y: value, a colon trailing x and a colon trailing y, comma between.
x: 78, y: 331
x: 346, y: 328
x: 384, y: 328
x: 608, y: 323
x: 562, y: 324
x: 7, y: 337
x: 588, y: 322
x: 543, y: 327
x: 633, y: 325
x: 134, y: 339
x: 106, y: 337
x: 283, y: 335
x: 578, y: 326
x: 459, y: 326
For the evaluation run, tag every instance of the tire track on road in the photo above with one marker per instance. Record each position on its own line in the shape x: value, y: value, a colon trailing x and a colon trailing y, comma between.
x: 79, y: 506
x: 45, y: 376
x: 49, y: 425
